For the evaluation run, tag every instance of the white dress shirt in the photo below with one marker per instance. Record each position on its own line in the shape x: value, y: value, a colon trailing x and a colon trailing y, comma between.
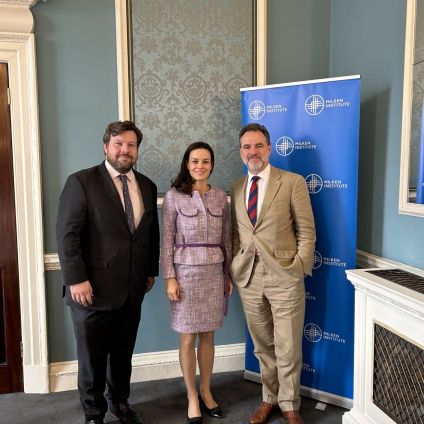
x: 262, y: 184
x: 133, y: 189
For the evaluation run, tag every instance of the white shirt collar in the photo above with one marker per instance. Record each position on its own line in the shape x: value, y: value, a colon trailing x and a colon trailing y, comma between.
x: 114, y: 173
x: 264, y: 174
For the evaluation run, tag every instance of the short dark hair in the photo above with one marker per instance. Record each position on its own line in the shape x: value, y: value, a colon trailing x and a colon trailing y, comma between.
x: 183, y: 181
x: 255, y: 127
x: 118, y: 127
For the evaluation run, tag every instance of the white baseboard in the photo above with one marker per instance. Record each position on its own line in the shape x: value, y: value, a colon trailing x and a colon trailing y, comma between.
x: 326, y: 397
x: 309, y: 392
x: 150, y: 366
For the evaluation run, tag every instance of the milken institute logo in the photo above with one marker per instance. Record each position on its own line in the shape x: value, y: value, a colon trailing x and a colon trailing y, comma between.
x: 284, y: 146
x: 256, y: 110
x: 312, y: 332
x: 314, y: 183
x: 314, y: 104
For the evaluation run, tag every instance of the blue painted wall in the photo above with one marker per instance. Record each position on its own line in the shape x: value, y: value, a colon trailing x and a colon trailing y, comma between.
x: 367, y: 38
x: 77, y: 91
x: 298, y: 35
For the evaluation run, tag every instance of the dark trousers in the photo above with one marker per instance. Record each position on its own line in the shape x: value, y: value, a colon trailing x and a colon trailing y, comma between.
x: 105, y: 344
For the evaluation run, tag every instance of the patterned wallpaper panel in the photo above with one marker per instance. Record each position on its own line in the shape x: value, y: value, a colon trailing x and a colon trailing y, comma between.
x: 418, y: 94
x: 190, y: 58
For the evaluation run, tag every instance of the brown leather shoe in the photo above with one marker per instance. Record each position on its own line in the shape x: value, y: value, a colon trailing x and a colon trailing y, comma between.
x: 293, y: 417
x: 262, y: 413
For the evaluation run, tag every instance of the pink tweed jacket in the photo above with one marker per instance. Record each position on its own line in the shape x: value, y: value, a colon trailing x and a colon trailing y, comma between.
x: 194, y: 219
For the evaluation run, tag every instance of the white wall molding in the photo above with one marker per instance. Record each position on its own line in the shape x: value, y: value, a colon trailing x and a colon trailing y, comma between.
x: 150, y: 366
x: 363, y: 259
x: 261, y: 42
x: 309, y: 392
x: 405, y: 205
x: 15, y: 16
x: 25, y: 3
x: 51, y: 262
x: 17, y: 50
x: 122, y: 59
x: 368, y: 260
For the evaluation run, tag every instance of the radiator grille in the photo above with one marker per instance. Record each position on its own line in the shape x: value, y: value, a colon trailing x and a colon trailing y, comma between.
x: 398, y: 387
x: 404, y: 278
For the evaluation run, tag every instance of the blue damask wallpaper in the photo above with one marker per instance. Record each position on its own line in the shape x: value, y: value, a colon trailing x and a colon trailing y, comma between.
x: 190, y: 58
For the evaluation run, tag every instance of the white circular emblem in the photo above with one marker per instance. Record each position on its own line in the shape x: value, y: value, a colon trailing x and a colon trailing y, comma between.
x: 284, y: 146
x: 312, y: 332
x: 314, y: 183
x: 256, y: 110
x: 317, y: 260
x: 314, y: 104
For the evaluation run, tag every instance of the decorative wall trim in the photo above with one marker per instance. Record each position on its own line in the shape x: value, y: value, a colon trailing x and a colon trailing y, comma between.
x: 363, y: 259
x: 122, y: 59
x: 15, y: 16
x: 150, y: 366
x: 405, y: 206
x: 11, y: 37
x: 261, y: 41
x: 51, y: 262
x: 26, y: 3
x: 368, y: 260
x: 18, y: 51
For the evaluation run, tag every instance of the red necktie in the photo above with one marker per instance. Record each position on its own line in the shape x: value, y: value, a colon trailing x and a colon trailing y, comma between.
x: 252, y: 206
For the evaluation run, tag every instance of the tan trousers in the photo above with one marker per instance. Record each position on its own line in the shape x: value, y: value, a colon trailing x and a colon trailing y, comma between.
x: 275, y: 318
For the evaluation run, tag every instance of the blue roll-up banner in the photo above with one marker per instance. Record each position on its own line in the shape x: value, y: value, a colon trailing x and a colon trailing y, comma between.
x: 314, y: 128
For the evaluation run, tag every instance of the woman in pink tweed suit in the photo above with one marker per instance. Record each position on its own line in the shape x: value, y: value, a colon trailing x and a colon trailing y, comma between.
x: 196, y: 240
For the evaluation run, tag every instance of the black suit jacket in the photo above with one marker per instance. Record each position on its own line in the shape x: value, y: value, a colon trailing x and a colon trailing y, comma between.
x: 95, y: 243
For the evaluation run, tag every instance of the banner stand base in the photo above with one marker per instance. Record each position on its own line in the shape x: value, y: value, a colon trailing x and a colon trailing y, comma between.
x: 309, y: 392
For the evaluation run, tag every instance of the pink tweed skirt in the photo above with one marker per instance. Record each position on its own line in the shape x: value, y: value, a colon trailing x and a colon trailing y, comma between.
x: 201, y: 307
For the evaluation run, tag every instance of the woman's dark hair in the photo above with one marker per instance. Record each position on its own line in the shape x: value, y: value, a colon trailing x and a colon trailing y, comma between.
x: 183, y: 181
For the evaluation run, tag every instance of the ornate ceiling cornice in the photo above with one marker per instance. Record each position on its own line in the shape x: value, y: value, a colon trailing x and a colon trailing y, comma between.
x: 27, y: 3
x: 16, y: 17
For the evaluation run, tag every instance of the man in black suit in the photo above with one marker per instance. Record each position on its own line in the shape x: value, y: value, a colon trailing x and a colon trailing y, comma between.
x: 108, y: 242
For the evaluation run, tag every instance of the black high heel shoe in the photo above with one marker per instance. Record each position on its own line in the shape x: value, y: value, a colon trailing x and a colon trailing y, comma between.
x: 213, y: 412
x: 194, y: 420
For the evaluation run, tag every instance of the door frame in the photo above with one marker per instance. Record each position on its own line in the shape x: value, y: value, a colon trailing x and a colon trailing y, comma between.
x: 17, y: 49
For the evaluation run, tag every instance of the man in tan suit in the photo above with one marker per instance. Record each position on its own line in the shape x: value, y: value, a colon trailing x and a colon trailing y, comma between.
x: 273, y: 235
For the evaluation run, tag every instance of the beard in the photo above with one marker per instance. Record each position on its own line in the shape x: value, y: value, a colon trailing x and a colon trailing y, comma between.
x: 123, y: 167
x: 255, y: 164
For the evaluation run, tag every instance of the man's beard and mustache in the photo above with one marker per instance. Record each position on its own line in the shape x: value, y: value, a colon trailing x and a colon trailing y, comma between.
x: 256, y: 165
x: 121, y: 167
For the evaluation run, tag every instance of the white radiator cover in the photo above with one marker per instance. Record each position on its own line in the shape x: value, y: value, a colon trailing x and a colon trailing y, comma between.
x: 394, y: 307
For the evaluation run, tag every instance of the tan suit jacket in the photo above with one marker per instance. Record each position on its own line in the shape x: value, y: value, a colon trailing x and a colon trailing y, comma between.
x: 284, y: 235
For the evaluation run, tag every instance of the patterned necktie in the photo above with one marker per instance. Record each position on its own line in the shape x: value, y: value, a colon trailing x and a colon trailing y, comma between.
x: 127, y: 203
x: 252, y: 206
